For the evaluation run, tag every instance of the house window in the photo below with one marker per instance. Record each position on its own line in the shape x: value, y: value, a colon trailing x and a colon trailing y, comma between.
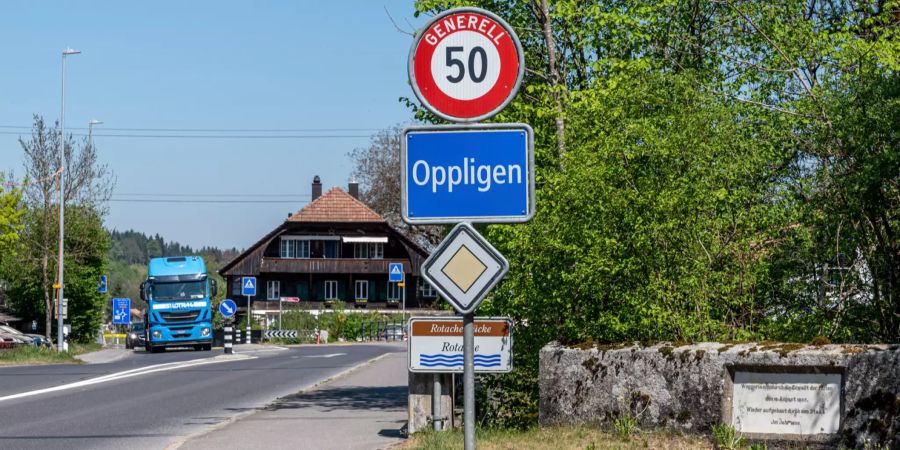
x: 428, y: 290
x: 370, y: 250
x: 332, y: 249
x: 294, y: 248
x: 393, y: 291
x: 362, y: 290
x: 273, y: 290
x: 236, y: 286
x: 331, y: 290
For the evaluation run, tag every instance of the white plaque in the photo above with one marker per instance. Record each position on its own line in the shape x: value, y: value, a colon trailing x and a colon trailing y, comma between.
x: 786, y: 403
x: 436, y: 344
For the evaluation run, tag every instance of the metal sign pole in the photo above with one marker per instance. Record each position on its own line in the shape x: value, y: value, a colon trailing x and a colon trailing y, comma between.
x: 436, y: 418
x: 280, y: 312
x: 247, y: 339
x: 469, y: 379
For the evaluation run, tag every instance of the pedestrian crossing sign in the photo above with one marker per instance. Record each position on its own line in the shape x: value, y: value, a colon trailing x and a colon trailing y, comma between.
x: 395, y: 272
x: 248, y: 286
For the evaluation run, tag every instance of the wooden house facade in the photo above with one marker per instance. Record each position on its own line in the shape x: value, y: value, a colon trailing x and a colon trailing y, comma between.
x: 334, y: 249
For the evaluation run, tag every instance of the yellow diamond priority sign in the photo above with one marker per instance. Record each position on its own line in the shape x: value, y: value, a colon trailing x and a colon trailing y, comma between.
x: 464, y: 268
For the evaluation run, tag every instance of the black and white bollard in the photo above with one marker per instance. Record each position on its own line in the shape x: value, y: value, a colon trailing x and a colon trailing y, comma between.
x: 238, y: 334
x: 228, y: 331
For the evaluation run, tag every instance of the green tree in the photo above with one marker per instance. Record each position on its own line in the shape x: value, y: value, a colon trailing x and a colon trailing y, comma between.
x: 705, y: 170
x: 88, y: 185
x: 11, y: 215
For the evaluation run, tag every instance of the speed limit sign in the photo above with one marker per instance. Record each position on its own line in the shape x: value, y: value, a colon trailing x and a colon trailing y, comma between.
x: 466, y: 65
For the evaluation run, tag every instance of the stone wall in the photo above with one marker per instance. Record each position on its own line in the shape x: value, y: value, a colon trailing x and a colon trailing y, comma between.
x: 688, y: 387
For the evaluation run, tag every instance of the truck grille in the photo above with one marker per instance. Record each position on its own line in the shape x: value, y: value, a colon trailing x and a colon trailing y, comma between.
x: 180, y: 316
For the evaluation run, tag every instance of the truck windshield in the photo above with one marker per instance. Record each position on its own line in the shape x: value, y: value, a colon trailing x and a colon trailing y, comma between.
x: 179, y: 291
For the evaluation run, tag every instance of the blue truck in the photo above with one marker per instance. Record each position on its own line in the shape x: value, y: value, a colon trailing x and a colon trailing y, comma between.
x: 178, y: 293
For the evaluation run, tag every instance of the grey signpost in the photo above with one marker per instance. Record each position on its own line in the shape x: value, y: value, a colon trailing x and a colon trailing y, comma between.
x: 227, y: 308
x: 248, y: 289
x: 446, y: 176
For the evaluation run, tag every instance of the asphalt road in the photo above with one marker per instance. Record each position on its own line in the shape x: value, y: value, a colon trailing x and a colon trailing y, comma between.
x: 153, y: 400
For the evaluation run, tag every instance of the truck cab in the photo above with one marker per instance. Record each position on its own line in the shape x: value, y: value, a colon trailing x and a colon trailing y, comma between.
x: 178, y: 292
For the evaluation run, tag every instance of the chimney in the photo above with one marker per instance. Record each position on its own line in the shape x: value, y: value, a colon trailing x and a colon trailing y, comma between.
x: 316, y: 188
x: 353, y: 189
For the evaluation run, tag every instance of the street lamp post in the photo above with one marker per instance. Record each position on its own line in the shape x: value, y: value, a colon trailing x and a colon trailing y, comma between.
x: 91, y: 131
x: 62, y: 200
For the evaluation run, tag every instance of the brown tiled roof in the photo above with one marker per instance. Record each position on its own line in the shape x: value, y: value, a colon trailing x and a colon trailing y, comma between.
x: 336, y: 206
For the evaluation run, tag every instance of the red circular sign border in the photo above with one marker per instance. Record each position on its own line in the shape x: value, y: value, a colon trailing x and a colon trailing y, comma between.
x: 506, y: 87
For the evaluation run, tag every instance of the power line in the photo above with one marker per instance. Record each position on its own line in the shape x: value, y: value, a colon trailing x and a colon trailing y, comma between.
x: 174, y: 200
x: 160, y: 194
x: 222, y: 136
x: 225, y: 130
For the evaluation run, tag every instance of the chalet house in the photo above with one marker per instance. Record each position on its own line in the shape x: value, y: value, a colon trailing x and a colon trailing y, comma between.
x: 334, y: 249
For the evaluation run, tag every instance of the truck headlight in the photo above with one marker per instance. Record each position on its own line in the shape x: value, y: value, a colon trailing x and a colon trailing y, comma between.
x: 157, y: 334
x: 205, y: 332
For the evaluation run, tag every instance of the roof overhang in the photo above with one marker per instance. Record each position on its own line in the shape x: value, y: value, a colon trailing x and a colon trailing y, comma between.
x: 310, y: 237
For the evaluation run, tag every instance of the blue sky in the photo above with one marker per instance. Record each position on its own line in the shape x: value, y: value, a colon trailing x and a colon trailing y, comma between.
x: 338, y: 66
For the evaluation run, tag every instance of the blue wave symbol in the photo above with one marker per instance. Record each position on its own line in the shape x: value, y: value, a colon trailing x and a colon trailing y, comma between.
x: 457, y: 364
x: 456, y: 360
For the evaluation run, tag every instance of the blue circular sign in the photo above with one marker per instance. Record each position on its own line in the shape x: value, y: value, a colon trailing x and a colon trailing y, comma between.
x: 227, y: 308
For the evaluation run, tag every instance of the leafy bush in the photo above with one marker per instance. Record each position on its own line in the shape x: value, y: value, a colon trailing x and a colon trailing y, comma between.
x: 625, y: 426
x: 726, y: 438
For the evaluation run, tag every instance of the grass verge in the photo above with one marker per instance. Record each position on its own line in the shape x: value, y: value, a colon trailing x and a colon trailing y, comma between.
x: 36, y: 355
x: 557, y: 438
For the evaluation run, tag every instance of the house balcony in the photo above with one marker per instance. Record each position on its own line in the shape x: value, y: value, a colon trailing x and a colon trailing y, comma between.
x: 330, y: 265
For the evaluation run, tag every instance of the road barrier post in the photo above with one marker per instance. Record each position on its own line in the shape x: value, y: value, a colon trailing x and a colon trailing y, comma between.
x: 228, y: 335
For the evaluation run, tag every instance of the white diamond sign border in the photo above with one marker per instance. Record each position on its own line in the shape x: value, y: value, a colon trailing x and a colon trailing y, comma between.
x: 464, y: 302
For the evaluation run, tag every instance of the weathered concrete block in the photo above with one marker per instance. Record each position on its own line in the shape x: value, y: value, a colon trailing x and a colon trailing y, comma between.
x: 690, y: 386
x: 421, y: 389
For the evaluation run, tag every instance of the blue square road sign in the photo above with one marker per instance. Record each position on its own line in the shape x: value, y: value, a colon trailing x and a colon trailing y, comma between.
x: 248, y: 286
x: 121, y: 311
x: 102, y: 289
x: 395, y: 272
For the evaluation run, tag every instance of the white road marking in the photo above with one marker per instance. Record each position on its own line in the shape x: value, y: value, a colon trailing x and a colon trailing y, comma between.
x: 263, y: 350
x: 330, y: 355
x: 129, y: 374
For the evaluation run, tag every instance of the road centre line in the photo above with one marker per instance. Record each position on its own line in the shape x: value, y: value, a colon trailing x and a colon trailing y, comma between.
x: 129, y: 374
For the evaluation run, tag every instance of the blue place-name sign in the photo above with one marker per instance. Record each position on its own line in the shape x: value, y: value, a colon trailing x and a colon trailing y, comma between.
x: 475, y: 173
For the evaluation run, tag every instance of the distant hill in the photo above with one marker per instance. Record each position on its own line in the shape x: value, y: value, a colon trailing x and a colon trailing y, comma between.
x: 135, y: 247
x: 130, y: 251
